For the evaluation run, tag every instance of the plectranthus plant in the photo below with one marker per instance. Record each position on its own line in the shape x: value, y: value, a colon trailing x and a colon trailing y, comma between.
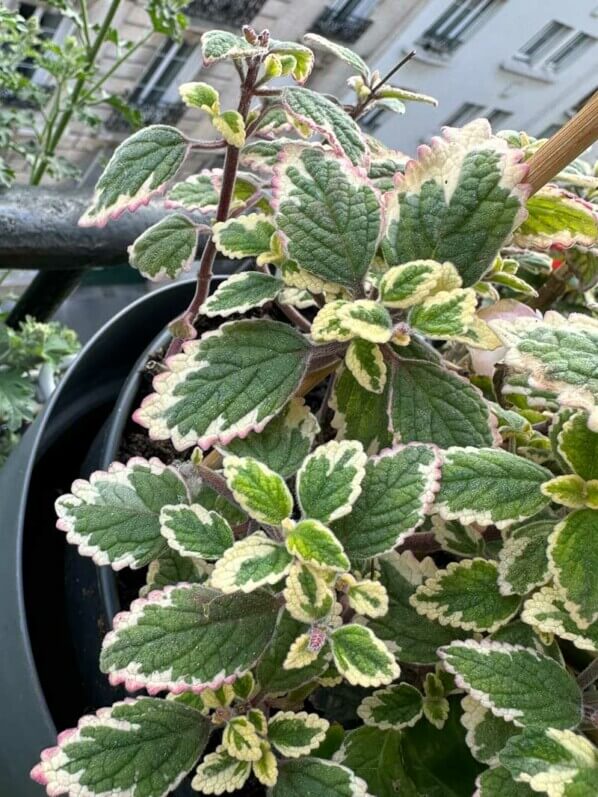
x: 371, y: 549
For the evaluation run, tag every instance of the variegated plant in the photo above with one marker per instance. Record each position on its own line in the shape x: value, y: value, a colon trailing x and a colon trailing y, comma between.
x: 384, y: 475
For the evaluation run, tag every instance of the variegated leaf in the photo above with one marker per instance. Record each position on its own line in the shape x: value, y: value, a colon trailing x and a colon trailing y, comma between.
x: 329, y: 481
x: 578, y: 446
x: 569, y: 490
x: 360, y: 414
x: 556, y: 217
x: 231, y: 126
x: 396, y: 707
x: 301, y: 653
x: 115, y: 516
x: 445, y: 315
x: 366, y: 363
x: 466, y: 595
x: 228, y: 383
x: 240, y: 740
x: 200, y: 95
x: 242, y: 292
x: 455, y: 538
x: 296, y: 734
x: 486, y: 734
x: 366, y: 597
x: 219, y: 772
x: 197, y: 192
x: 262, y: 493
x: 411, y: 283
x: 515, y: 683
x: 302, y: 58
x: 245, y: 236
x: 344, y: 53
x: 138, y: 170
x: 497, y: 782
x: 317, y: 777
x: 218, y: 45
x: 308, y: 597
x: 361, y: 658
x: 545, y: 611
x: 165, y: 249
x: 195, y: 531
x: 366, y: 319
x: 250, y: 563
x: 489, y: 486
x: 314, y: 544
x: 522, y: 559
x: 328, y: 214
x: 328, y: 324
x: 266, y: 768
x: 141, y: 748
x: 155, y: 645
x: 466, y: 168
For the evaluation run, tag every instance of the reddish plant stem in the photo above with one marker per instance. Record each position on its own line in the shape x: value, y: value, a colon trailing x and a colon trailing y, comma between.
x: 229, y: 174
x: 425, y: 542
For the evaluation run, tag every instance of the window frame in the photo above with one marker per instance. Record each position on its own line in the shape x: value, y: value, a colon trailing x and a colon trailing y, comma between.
x: 186, y: 72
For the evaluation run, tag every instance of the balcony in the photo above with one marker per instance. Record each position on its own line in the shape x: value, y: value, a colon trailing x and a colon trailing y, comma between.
x: 347, y: 28
x: 164, y: 113
x: 439, y: 45
x: 227, y: 12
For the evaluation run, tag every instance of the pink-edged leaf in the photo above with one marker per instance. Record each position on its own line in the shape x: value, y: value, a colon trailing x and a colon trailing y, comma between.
x: 557, y: 218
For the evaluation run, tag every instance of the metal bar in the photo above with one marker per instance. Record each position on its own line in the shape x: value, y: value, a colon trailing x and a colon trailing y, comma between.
x: 44, y: 295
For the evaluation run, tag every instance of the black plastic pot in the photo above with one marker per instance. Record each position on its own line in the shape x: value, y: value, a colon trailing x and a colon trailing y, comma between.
x: 54, y: 604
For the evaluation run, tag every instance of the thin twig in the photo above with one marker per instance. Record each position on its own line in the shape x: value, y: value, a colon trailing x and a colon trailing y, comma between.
x: 215, y: 481
x: 361, y: 106
x: 294, y: 316
x: 587, y: 677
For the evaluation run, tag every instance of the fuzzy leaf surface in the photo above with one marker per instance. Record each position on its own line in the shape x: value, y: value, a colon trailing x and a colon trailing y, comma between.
x: 361, y: 657
x: 557, y: 218
x: 398, y: 706
x: 329, y: 481
x: 250, y: 563
x: 218, y: 45
x: 296, y: 734
x: 241, y: 292
x: 166, y: 249
x: 262, y: 493
x: 546, y: 611
x: 247, y: 236
x: 195, y: 531
x: 365, y: 361
x: 522, y: 559
x: 317, y: 778
x: 578, y: 446
x: 314, y: 544
x: 487, y: 734
x: 360, y: 414
x: 344, y: 53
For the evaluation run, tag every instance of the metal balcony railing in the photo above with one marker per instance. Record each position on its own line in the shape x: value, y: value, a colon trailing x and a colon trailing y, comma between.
x: 229, y: 12
x: 439, y: 45
x: 163, y: 113
x: 344, y: 27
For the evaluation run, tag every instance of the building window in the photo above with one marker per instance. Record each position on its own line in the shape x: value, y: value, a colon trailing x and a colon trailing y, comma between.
x: 457, y: 24
x: 554, y: 47
x: 345, y: 20
x: 466, y: 113
x: 571, y: 50
x: 497, y: 117
x: 158, y: 85
x: 51, y: 26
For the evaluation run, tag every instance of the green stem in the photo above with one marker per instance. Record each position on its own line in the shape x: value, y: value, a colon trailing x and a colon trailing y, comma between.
x: 85, y: 18
x: 116, y: 65
x: 587, y: 677
x: 67, y: 114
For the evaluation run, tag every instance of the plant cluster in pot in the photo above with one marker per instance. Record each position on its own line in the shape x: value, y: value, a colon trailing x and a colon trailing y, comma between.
x: 370, y: 566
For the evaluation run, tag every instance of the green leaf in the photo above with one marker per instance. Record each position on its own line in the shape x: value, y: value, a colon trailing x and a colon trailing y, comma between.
x: 309, y: 599
x: 200, y: 95
x: 231, y: 126
x: 558, y: 354
x: 395, y: 92
x: 446, y: 314
x: 195, y: 531
x: 398, y: 706
x: 139, y: 168
x: 188, y: 637
x: 361, y: 658
x: 570, y: 490
x: 271, y: 675
x: 584, y: 265
x: 516, y: 683
x: 411, y: 636
x: 430, y: 404
x: 329, y: 481
x: 411, y: 283
x: 317, y: 778
x: 195, y: 193
x: 17, y: 399
x: 358, y: 413
x: 578, y: 446
x: 522, y: 559
x: 165, y: 249
x: 344, y: 53
x: 456, y: 538
x: 486, y: 734
x: 497, y: 782
x: 302, y: 56
x: 230, y: 382
x: 219, y: 772
x: 142, y: 747
x: 314, y: 544
x: 366, y: 363
x: 170, y: 568
x: 366, y: 597
x: 559, y: 763
x: 329, y: 120
x: 376, y: 756
x: 251, y: 563
x: 459, y: 202
x: 242, y: 292
x: 240, y: 740
x: 556, y: 217
x: 489, y: 486
x: 573, y: 556
x: 247, y: 236
x: 284, y: 443
x: 262, y: 493
x: 328, y: 214
x: 366, y: 319
x: 546, y: 611
x: 115, y: 516
x: 296, y: 734
x: 396, y: 492
x: 466, y: 595
x: 218, y: 45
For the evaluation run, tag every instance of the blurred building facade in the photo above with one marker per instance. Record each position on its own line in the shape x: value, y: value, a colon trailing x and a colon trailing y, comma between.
x: 526, y: 64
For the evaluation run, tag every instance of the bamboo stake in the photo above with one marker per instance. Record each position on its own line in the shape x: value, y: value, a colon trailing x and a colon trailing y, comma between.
x: 568, y: 143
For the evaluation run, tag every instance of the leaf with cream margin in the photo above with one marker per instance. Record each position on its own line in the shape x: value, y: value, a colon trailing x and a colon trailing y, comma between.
x: 246, y: 236
x: 329, y: 120
x: 459, y: 202
x: 396, y: 493
x: 398, y: 706
x: 366, y: 319
x: 295, y: 734
x: 522, y: 559
x: 329, y: 480
x: 240, y: 293
x: 197, y: 192
x: 344, y: 53
x: 250, y: 563
x: 308, y: 594
x: 466, y: 595
x: 569, y: 490
x: 578, y: 446
x: 231, y: 126
x: 187, y: 637
x: 546, y: 612
x: 515, y: 683
x: 317, y: 777
x: 195, y: 531
x: 358, y: 413
x: 314, y: 544
x: 227, y: 384
x: 361, y: 658
x: 139, y: 169
x: 218, y: 45
x: 165, y: 249
x: 497, y: 782
x: 115, y: 516
x: 557, y: 353
x: 328, y: 214
x: 328, y: 324
x: 142, y: 747
x: 412, y: 637
x: 453, y: 537
x: 445, y: 315
x: 219, y: 772
x: 262, y: 493
x: 573, y: 558
x: 302, y: 56
x: 489, y: 486
x: 556, y: 217
x: 411, y: 283
x: 366, y: 597
x: 366, y: 363
x: 486, y: 734
x: 556, y: 762
x: 240, y: 739
x: 200, y: 95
